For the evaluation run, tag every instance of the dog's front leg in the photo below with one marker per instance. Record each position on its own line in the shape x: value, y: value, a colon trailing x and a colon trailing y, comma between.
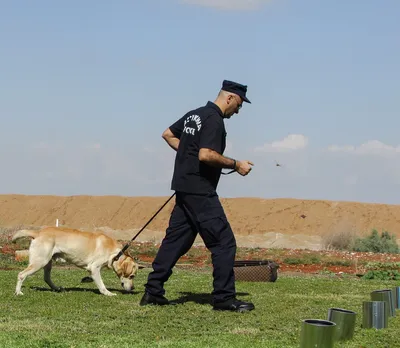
x: 96, y: 276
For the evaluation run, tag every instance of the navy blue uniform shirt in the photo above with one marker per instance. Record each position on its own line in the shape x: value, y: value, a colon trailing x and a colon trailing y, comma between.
x: 200, y: 128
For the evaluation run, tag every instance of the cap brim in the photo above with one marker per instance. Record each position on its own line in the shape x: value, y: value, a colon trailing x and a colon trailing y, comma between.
x: 246, y: 100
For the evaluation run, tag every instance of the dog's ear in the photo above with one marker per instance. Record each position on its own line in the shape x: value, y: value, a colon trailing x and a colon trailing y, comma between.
x: 137, y: 261
x: 139, y: 266
x: 127, y: 253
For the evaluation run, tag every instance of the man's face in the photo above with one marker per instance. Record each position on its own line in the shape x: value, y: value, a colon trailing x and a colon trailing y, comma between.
x: 234, y: 105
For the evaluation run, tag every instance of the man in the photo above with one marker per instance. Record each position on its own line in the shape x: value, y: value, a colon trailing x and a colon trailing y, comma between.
x: 199, y: 140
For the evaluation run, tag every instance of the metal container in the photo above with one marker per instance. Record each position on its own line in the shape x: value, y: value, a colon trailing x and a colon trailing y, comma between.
x: 396, y: 297
x: 385, y: 295
x: 345, y: 321
x: 375, y: 315
x: 256, y: 270
x: 317, y: 333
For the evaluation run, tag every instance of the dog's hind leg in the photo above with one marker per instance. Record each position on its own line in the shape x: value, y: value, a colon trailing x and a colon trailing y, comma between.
x: 96, y: 276
x: 47, y: 277
x: 39, y: 256
x: 31, y: 269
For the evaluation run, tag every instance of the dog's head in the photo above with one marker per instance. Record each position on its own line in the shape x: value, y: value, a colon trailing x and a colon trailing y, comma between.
x: 126, y: 269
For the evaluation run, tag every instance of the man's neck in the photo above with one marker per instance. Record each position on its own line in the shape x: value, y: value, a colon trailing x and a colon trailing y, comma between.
x: 220, y: 105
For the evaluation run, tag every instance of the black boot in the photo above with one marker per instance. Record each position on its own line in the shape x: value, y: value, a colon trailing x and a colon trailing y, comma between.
x: 234, y: 305
x: 151, y: 299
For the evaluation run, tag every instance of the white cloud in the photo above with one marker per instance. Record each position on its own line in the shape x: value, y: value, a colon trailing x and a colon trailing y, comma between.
x: 137, y: 169
x: 370, y: 147
x: 351, y: 180
x: 94, y: 146
x: 40, y: 146
x: 228, y: 4
x: 45, y: 149
x: 292, y: 142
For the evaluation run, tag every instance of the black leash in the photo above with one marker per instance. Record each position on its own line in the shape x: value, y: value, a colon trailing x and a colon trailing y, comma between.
x: 127, y: 245
x: 233, y: 170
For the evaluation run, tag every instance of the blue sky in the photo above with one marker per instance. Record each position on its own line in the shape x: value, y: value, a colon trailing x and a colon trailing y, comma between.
x: 87, y: 87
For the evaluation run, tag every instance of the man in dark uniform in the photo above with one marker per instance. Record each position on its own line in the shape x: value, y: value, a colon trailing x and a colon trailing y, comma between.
x: 199, y: 138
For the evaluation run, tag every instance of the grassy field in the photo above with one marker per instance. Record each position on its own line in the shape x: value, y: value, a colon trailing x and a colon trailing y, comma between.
x: 80, y: 317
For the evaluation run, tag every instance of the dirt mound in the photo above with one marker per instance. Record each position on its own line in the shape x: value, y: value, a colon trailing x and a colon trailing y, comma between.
x: 288, y: 223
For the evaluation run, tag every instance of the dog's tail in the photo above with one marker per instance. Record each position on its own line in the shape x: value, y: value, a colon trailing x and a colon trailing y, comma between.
x: 24, y: 233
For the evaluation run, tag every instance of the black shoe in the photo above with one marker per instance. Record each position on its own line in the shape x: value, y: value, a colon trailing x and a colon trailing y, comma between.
x: 233, y: 305
x: 151, y: 299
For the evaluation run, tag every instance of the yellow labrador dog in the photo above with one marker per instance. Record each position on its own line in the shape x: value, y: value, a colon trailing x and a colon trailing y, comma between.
x: 88, y: 250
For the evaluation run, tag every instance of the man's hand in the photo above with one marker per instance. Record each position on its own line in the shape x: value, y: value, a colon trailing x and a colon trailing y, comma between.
x: 244, y: 167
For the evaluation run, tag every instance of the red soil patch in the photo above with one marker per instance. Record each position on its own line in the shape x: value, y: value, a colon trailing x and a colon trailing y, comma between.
x: 289, y: 260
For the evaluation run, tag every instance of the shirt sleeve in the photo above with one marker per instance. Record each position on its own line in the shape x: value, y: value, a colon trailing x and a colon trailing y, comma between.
x: 177, y: 127
x: 212, y: 135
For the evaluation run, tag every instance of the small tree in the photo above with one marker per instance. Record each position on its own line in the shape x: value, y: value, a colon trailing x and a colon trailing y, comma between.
x: 386, y: 243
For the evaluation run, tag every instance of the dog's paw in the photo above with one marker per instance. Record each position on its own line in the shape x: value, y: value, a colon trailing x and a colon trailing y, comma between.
x: 108, y: 293
x: 18, y: 293
x: 59, y: 289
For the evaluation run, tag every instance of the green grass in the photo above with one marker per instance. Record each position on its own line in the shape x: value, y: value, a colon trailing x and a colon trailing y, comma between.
x: 80, y: 317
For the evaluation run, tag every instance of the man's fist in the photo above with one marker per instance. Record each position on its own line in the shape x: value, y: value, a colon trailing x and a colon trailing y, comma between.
x: 243, y: 167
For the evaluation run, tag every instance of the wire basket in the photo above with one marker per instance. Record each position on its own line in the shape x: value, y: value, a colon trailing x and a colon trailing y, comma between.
x: 256, y: 270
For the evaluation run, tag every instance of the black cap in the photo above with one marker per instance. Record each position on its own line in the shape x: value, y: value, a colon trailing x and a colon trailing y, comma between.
x: 236, y: 88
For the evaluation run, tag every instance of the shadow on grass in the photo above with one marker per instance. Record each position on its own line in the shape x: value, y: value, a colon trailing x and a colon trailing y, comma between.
x: 199, y: 298
x: 95, y: 291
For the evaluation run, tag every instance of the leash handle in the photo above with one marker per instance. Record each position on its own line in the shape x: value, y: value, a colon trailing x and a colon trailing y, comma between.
x: 151, y: 219
x: 233, y: 170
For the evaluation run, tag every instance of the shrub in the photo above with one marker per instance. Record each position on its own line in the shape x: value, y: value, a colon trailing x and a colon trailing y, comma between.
x: 293, y: 261
x: 383, y: 275
x: 386, y: 243
x: 376, y: 265
x: 339, y: 240
x: 338, y: 263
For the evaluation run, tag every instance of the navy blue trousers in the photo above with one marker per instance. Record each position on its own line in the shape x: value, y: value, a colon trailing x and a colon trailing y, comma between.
x: 194, y: 214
